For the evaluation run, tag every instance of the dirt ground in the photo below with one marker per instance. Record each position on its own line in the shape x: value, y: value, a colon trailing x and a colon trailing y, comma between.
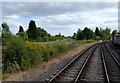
x: 24, y: 75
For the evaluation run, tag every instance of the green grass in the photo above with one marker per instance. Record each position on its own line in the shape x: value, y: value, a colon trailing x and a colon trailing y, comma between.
x: 84, y: 41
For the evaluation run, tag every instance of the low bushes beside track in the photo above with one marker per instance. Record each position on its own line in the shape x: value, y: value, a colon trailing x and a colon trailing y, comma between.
x: 19, y: 55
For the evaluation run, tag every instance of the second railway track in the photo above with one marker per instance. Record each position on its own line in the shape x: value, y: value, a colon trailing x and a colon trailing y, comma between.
x: 111, y: 65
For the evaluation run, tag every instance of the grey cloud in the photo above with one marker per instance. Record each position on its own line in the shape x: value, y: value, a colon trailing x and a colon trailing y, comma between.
x: 50, y: 11
x: 28, y: 9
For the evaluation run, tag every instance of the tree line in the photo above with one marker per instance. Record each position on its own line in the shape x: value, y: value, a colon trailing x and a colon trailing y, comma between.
x: 33, y: 33
x: 99, y: 34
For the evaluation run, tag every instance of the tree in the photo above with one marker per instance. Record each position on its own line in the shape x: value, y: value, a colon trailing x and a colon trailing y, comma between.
x: 6, y: 34
x: 53, y: 38
x: 5, y: 28
x: 39, y: 38
x: 23, y: 35
x: 74, y: 36
x: 101, y: 31
x: 49, y: 36
x: 80, y: 35
x: 89, y: 33
x: 59, y: 35
x: 105, y: 35
x: 115, y: 32
x: 41, y: 32
x: 32, y: 32
x: 21, y: 29
x: 45, y: 38
x: 97, y: 32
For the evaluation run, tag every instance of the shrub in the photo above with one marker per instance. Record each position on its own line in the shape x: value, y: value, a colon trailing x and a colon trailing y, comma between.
x: 45, y: 55
x: 45, y: 38
x: 33, y: 46
x: 38, y: 51
x: 15, y: 54
x: 20, y: 55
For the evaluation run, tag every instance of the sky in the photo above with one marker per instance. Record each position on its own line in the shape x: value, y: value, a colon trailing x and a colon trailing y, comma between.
x: 61, y: 17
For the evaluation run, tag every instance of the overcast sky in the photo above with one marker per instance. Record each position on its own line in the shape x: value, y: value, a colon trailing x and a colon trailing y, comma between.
x: 61, y: 17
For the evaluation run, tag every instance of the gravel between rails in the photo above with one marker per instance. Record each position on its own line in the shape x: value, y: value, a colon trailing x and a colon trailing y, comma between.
x: 94, y: 69
x: 112, y: 67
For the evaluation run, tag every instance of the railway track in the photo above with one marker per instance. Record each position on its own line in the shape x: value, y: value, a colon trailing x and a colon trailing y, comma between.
x: 111, y: 65
x: 93, y: 70
x: 95, y: 64
x: 71, y: 71
x: 115, y: 50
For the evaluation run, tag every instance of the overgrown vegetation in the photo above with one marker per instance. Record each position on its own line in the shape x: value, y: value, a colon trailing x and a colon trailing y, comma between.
x: 26, y: 49
x: 20, y: 55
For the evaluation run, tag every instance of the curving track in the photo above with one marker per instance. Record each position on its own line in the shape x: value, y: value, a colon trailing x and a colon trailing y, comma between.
x: 93, y: 71
x: 95, y: 64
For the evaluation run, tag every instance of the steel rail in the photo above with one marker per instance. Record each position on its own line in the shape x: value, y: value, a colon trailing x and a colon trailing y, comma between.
x: 112, y: 55
x: 84, y: 64
x: 105, y: 67
x: 81, y: 53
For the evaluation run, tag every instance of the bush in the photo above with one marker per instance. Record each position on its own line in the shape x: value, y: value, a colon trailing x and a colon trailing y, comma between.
x: 21, y: 55
x: 45, y: 38
x: 15, y: 54
x: 39, y: 50
x: 6, y: 37
x: 45, y: 55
